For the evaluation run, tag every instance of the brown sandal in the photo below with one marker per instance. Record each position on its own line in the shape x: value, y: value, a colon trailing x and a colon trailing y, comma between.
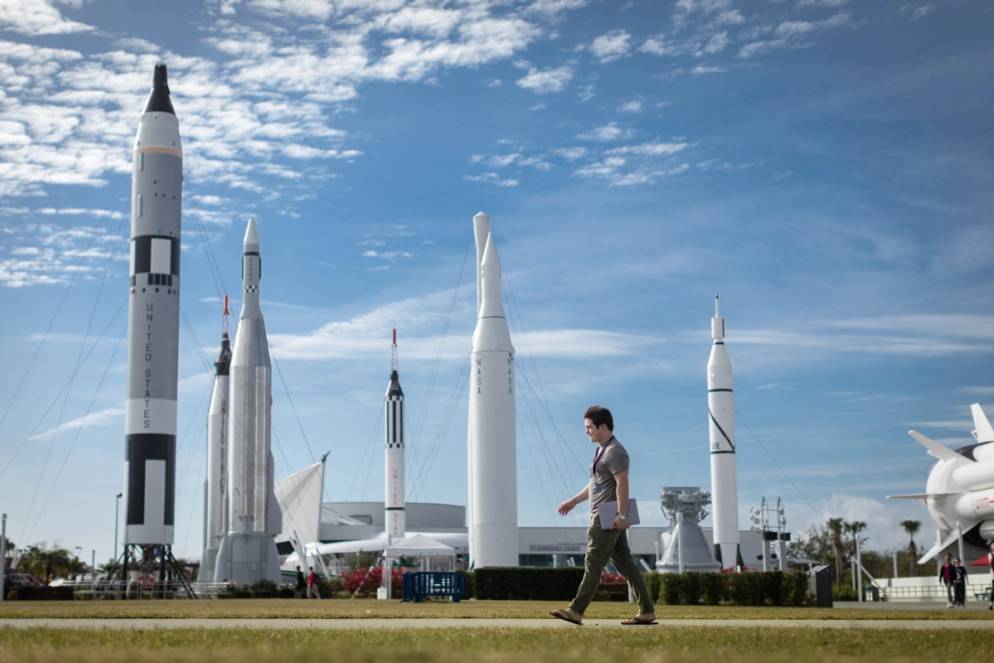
x: 639, y: 621
x: 566, y: 616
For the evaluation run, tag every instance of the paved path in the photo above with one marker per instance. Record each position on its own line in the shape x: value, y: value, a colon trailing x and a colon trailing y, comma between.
x: 413, y: 624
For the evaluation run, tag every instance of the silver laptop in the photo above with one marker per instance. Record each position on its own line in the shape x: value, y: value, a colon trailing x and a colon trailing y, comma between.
x: 608, y: 511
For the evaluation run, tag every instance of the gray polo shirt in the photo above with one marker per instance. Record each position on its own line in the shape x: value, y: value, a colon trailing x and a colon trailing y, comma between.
x: 603, y: 487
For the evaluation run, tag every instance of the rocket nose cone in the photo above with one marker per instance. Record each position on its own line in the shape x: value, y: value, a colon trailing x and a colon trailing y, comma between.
x: 158, y: 99
x: 251, y: 242
x: 159, y: 77
x: 490, y: 276
x: 481, y: 217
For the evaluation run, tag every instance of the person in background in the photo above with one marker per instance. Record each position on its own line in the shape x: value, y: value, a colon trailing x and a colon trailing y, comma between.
x: 301, y: 588
x: 990, y: 562
x: 946, y: 577
x: 312, y: 584
x: 959, y: 583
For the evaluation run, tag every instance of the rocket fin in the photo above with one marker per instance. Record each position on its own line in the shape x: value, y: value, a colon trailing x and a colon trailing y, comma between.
x: 934, y: 448
x: 983, y: 430
x: 945, y: 543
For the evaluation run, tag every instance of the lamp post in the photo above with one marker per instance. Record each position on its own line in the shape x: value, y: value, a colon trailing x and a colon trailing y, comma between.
x: 117, y: 510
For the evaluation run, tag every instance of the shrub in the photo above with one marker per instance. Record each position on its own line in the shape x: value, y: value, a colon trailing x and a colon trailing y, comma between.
x: 672, y: 588
x: 691, y: 588
x: 526, y: 583
x: 366, y: 580
x: 42, y: 593
x: 797, y: 588
x: 714, y: 587
x: 653, y: 582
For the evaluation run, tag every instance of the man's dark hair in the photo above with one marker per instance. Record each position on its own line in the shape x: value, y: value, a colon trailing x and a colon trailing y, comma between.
x: 599, y: 415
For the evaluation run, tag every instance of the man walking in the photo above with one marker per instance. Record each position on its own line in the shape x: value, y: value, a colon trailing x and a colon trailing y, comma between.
x: 608, y: 483
x: 312, y: 584
x: 301, y: 585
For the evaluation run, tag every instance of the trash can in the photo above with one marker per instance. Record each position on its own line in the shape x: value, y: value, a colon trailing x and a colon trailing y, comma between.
x: 820, y: 585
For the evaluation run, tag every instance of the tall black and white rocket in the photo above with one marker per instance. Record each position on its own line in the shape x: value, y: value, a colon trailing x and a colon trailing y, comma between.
x: 721, y: 437
x: 393, y: 499
x: 216, y: 484
x: 247, y: 553
x: 153, y: 322
x: 493, y: 482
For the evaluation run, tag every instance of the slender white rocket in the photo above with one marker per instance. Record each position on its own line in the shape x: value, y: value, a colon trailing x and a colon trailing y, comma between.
x: 247, y: 553
x: 493, y: 486
x: 153, y: 322
x: 393, y: 500
x: 216, y: 489
x: 721, y: 435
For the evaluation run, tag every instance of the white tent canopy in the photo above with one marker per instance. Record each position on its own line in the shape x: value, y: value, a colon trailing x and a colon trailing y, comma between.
x: 419, y: 545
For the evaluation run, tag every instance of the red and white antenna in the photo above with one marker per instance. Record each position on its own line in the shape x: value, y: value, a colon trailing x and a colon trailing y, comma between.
x: 227, y: 314
x: 393, y: 353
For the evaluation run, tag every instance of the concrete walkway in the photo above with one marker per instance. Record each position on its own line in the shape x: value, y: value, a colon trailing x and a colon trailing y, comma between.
x: 415, y: 624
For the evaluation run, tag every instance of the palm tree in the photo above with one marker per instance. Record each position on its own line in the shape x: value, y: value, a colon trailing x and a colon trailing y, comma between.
x: 835, y: 528
x: 912, y: 527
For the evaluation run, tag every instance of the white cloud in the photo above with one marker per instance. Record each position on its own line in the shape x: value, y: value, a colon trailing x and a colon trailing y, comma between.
x: 791, y: 34
x: 319, y: 10
x: 610, y: 46
x: 92, y: 420
x: 37, y: 17
x: 571, y: 153
x: 552, y: 7
x: 632, y: 106
x: 607, y: 133
x: 651, y: 149
x: 492, y: 178
x: 917, y: 12
x: 546, y: 81
x: 656, y: 46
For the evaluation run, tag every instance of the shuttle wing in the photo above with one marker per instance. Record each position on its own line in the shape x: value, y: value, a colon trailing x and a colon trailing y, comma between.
x: 934, y: 448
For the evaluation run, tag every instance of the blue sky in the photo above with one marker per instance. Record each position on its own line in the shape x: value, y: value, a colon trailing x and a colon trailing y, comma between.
x: 824, y: 164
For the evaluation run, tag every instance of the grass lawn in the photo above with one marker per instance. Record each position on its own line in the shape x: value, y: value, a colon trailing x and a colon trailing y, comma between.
x: 489, y: 644
x: 371, y: 608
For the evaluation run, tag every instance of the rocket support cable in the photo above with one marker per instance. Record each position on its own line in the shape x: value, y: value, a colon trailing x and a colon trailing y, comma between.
x: 79, y: 430
x: 293, y: 407
x: 55, y: 400
x: 433, y: 375
x: 773, y: 458
x: 51, y: 322
x: 72, y: 379
x: 455, y: 398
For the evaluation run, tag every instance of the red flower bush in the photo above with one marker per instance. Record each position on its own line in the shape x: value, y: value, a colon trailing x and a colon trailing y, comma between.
x: 366, y: 580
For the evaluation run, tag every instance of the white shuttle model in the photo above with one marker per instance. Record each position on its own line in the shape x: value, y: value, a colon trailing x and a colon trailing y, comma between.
x: 721, y: 435
x: 153, y: 324
x: 247, y: 553
x: 493, y: 484
x: 393, y: 479
x: 960, y: 489
x: 216, y: 484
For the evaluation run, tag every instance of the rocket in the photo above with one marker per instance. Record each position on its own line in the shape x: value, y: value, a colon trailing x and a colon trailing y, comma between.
x: 247, y: 553
x: 721, y: 435
x: 216, y: 484
x: 493, y: 485
x: 153, y: 322
x: 393, y: 499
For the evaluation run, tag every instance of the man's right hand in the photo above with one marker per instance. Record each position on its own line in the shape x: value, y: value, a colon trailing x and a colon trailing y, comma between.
x: 565, y: 507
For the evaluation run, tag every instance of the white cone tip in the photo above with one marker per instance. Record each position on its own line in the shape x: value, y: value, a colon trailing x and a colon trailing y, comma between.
x: 251, y: 235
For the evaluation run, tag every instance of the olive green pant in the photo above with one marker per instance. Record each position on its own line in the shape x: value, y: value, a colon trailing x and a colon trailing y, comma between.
x: 604, y: 545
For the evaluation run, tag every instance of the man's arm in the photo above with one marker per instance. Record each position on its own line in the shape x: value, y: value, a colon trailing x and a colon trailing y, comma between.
x: 568, y: 505
x: 621, y: 479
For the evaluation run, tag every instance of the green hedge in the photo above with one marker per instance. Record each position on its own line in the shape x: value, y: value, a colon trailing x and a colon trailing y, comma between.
x: 41, y: 593
x: 526, y: 583
x: 751, y: 588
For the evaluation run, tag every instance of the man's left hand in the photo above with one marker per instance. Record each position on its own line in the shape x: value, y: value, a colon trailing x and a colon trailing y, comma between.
x: 619, y: 523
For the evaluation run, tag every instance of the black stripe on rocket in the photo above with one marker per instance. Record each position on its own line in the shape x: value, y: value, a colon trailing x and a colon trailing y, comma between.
x: 139, y: 449
x: 723, y: 434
